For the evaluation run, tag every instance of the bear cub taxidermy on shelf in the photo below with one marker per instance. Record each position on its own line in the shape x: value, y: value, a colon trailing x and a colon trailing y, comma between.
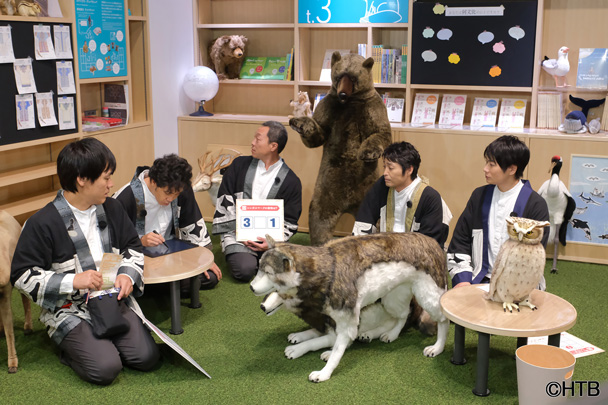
x: 331, y: 286
x: 226, y: 55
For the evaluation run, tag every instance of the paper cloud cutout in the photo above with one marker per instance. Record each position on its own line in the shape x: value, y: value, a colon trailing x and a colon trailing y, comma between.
x: 516, y: 32
x: 454, y: 58
x: 428, y: 32
x: 439, y: 9
x: 495, y: 71
x: 499, y: 47
x: 429, y: 56
x: 444, y: 34
x: 485, y: 37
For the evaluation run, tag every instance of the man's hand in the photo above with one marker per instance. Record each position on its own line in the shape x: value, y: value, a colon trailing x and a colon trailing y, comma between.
x: 260, y: 246
x: 462, y: 284
x: 152, y: 239
x: 90, y: 279
x: 125, y: 284
x: 215, y: 270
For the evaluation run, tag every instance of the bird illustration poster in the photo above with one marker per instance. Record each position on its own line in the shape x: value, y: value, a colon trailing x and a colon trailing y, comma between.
x: 46, y: 110
x: 43, y: 43
x: 588, y: 183
x: 65, y: 78
x: 63, y: 46
x: 592, y: 68
x: 6, y: 45
x: 24, y: 104
x: 67, y: 120
x: 24, y: 76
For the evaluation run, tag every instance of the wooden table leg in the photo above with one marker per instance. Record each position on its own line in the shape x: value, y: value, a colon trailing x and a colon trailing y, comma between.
x: 483, y: 365
x: 458, y: 356
x: 554, y: 340
x: 176, y: 316
x: 195, y: 286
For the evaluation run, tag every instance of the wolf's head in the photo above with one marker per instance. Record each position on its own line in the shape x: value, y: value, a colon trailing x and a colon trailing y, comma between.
x: 276, y: 271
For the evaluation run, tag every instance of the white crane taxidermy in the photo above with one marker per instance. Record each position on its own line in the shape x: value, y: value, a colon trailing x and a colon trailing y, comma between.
x: 519, y: 265
x: 558, y: 67
x: 561, y: 207
x: 210, y: 175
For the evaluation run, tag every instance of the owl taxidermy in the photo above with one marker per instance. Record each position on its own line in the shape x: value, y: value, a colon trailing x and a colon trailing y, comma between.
x: 519, y: 264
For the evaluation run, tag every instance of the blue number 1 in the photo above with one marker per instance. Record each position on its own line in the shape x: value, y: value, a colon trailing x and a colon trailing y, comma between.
x: 272, y: 221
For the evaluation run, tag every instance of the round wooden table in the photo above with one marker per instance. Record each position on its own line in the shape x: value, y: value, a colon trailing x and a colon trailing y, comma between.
x: 466, y: 307
x: 173, y: 268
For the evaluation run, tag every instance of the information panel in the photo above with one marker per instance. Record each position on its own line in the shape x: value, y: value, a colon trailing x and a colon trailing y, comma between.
x: 101, y: 41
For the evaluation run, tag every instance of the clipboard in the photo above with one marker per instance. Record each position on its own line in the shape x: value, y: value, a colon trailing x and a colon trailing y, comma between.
x: 173, y: 246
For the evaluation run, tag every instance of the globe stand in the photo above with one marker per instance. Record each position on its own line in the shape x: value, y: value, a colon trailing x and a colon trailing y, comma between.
x: 201, y: 111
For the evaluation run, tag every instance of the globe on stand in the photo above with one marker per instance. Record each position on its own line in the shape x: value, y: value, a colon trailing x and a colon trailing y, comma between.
x: 200, y: 85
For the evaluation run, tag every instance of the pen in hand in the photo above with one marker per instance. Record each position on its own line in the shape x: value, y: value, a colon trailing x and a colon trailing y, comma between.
x: 167, y: 246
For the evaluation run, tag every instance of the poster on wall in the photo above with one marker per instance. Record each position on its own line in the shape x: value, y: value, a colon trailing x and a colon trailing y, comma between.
x: 100, y: 37
x: 352, y: 11
x: 588, y: 183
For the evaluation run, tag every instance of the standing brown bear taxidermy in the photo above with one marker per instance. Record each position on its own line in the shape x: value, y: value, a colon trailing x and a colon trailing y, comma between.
x: 351, y: 123
x: 226, y: 56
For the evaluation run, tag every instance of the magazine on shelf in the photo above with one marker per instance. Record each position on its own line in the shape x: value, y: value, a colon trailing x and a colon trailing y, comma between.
x: 592, y: 68
x: 116, y: 99
x: 394, y: 107
x: 264, y: 68
x: 512, y: 113
x: 485, y: 111
x: 452, y: 110
x: 318, y: 98
x: 425, y: 109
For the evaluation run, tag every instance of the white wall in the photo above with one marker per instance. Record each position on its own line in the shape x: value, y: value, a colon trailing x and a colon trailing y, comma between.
x: 171, y: 55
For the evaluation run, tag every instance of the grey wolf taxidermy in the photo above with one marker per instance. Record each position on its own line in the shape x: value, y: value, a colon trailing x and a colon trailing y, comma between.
x: 9, y: 234
x: 226, y: 56
x: 330, y: 286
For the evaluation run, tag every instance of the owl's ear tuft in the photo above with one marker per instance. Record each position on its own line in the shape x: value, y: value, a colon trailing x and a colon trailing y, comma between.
x: 542, y: 224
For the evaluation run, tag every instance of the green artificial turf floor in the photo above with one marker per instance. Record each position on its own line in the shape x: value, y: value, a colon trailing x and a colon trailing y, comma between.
x: 242, y: 349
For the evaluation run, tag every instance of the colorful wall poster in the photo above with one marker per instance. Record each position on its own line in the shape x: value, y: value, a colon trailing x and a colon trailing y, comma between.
x: 352, y: 11
x: 588, y: 183
x: 100, y: 36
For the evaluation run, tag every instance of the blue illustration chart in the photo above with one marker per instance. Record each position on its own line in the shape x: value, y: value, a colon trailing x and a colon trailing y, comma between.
x: 352, y: 11
x: 101, y: 42
x: 588, y: 181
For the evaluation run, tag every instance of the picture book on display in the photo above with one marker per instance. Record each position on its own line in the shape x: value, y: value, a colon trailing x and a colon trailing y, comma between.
x: 485, y: 111
x: 394, y: 107
x: 265, y: 68
x: 425, y: 109
x: 512, y: 113
x: 452, y: 110
x: 592, y: 68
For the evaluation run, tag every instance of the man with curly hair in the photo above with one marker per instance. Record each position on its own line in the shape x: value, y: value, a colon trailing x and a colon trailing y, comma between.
x: 160, y: 202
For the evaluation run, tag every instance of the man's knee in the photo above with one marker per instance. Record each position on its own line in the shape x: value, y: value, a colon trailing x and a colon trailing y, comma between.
x: 103, y: 371
x: 208, y: 283
x: 147, y: 357
x: 243, y: 266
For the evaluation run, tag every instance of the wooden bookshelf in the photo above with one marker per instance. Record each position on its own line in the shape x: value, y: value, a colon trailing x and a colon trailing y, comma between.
x: 28, y: 178
x: 451, y: 158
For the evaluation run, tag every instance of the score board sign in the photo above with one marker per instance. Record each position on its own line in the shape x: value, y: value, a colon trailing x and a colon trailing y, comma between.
x: 257, y: 218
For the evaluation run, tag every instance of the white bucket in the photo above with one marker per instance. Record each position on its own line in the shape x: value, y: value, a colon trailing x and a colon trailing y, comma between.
x: 542, y: 372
